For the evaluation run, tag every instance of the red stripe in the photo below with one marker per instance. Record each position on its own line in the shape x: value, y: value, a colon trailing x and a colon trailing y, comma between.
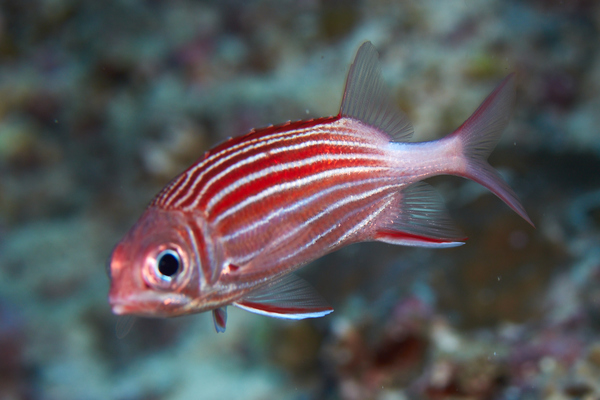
x: 161, y: 199
x: 273, y: 129
x: 330, y: 227
x: 276, y: 178
x: 225, y: 146
x: 280, y: 158
x: 261, y: 210
x: 205, y: 250
x: 399, y: 235
x: 273, y: 160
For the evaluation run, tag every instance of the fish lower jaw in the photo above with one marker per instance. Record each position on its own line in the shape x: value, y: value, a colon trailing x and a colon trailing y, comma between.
x: 150, y: 305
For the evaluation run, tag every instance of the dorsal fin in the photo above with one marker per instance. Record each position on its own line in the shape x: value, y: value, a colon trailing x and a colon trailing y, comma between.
x: 367, y: 99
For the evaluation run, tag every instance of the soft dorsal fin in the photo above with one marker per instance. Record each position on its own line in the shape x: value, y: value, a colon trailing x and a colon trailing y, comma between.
x: 367, y: 99
x: 288, y: 297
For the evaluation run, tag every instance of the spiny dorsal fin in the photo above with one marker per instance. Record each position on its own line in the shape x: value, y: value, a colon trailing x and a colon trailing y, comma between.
x: 367, y: 99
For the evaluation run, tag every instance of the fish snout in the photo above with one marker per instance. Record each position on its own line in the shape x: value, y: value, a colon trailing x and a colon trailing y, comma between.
x: 118, y: 300
x: 123, y: 283
x: 118, y: 309
x: 123, y: 302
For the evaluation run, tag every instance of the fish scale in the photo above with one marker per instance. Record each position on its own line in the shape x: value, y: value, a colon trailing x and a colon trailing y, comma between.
x: 232, y: 228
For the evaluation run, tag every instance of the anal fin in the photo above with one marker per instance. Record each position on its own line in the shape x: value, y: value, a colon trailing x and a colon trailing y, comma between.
x: 422, y: 221
x: 288, y: 297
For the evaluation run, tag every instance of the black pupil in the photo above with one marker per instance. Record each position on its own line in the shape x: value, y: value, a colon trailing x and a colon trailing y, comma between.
x: 168, y: 265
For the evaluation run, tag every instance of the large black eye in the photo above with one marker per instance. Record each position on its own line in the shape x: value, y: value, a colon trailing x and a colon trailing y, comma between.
x: 168, y: 264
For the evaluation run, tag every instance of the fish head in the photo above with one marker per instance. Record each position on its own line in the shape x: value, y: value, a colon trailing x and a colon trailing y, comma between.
x: 155, y: 269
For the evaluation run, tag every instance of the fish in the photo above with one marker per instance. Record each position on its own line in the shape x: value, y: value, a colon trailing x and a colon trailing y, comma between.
x: 234, y: 226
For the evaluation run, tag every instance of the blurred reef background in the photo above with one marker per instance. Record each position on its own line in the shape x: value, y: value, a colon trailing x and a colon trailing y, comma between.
x: 102, y: 102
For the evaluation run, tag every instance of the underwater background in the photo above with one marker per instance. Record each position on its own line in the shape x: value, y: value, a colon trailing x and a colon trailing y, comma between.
x: 103, y: 102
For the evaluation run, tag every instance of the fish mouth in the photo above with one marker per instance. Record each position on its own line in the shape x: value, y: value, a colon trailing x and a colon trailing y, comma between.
x: 148, y: 304
x: 122, y: 309
x: 125, y: 306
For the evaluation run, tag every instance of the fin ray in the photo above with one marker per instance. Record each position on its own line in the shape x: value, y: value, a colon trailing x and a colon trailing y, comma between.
x: 367, y: 98
x: 479, y: 135
x: 124, y: 325
x: 422, y: 221
x: 288, y: 297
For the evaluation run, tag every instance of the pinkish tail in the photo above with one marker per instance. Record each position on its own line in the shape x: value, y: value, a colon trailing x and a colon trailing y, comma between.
x: 479, y: 135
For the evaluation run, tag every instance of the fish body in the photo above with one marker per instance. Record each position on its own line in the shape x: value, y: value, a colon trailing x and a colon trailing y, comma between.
x: 232, y: 228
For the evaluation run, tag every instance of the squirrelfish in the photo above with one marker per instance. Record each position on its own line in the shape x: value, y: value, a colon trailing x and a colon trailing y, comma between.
x: 232, y: 228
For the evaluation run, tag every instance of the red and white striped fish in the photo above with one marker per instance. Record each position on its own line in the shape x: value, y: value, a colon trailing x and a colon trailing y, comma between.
x: 231, y: 228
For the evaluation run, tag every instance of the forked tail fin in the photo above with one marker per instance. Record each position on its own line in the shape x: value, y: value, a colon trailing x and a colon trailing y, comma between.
x: 478, y: 136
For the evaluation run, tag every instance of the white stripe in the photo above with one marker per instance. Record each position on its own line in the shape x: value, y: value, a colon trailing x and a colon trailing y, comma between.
x: 255, y: 144
x: 314, y: 314
x: 363, y: 223
x: 356, y: 228
x: 315, y: 218
x: 251, y: 160
x: 261, y: 142
x: 309, y: 143
x: 288, y: 166
x: 419, y: 243
x: 294, y: 184
x: 252, y: 144
x: 297, y: 205
x: 164, y: 195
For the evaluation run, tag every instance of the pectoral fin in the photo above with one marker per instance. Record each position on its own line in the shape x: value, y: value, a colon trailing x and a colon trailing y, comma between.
x: 289, y: 297
x: 220, y: 318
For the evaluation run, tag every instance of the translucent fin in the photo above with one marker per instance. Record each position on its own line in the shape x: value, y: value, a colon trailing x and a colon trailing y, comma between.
x: 289, y: 297
x: 367, y: 99
x: 220, y: 319
x: 423, y: 221
x: 479, y: 135
x: 124, y: 325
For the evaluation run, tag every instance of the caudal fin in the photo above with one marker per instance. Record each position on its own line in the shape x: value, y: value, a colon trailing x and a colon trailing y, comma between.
x: 478, y: 136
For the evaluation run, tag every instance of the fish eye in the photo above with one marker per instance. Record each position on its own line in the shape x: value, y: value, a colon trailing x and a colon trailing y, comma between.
x: 168, y: 264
